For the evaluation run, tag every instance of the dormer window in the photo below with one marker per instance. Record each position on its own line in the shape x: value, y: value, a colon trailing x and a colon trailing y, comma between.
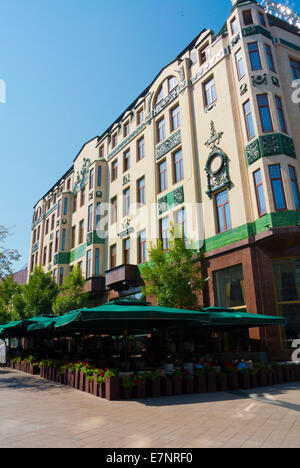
x: 172, y: 83
x: 205, y: 54
x: 160, y: 95
x: 114, y: 140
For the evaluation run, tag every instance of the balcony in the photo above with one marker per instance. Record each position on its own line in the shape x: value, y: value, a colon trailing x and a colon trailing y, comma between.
x: 95, y: 285
x: 123, y: 277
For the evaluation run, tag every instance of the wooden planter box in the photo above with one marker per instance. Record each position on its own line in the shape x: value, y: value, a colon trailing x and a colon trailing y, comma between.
x: 127, y: 393
x: 113, y: 388
x: 223, y: 384
x: 297, y: 372
x: 101, y: 389
x: 71, y: 379
x: 42, y: 372
x: 82, y: 378
x: 270, y: 378
x: 211, y: 382
x: 177, y: 385
x: 286, y: 374
x: 292, y: 373
x: 200, y: 384
x: 140, y: 390
x: 279, y: 373
x: 76, y: 379
x: 262, y: 378
x: 88, y: 385
x: 155, y: 388
x: 244, y: 380
x: 253, y: 380
x: 167, y: 386
x: 188, y: 386
x: 95, y: 391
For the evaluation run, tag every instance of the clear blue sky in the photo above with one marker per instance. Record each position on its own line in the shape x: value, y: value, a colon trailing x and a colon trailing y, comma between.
x: 71, y: 67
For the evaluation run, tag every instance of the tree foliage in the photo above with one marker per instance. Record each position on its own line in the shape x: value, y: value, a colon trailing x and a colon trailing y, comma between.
x: 71, y: 295
x: 175, y: 277
x: 8, y: 290
x: 7, y: 256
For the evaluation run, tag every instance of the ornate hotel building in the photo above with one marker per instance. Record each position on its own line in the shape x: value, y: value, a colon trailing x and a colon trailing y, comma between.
x: 212, y: 144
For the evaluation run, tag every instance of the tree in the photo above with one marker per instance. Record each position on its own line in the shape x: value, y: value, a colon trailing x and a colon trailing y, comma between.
x: 8, y: 290
x: 7, y: 256
x: 37, y: 296
x: 175, y: 277
x: 71, y: 295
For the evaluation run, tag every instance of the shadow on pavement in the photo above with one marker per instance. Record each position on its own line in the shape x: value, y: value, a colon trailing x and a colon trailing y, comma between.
x: 21, y: 381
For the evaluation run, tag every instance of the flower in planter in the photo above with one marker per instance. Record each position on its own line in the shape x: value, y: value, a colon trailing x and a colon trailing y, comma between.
x: 200, y: 372
x: 176, y: 373
x: 153, y: 375
x: 128, y: 381
x: 186, y: 374
x: 110, y: 373
x: 221, y: 376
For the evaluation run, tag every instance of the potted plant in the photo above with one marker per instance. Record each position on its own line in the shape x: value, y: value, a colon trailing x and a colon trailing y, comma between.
x: 77, y: 367
x: 89, y: 382
x: 112, y: 385
x: 200, y: 380
x: 140, y: 385
x: 222, y: 384
x: 127, y: 384
x: 244, y: 378
x: 188, y: 381
x: 232, y: 376
x: 177, y: 382
x: 99, y: 383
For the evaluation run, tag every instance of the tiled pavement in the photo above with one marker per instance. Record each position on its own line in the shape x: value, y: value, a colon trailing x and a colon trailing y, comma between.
x: 37, y: 413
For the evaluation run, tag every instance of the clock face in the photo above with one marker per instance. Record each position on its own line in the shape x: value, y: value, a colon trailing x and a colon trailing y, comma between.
x: 216, y: 164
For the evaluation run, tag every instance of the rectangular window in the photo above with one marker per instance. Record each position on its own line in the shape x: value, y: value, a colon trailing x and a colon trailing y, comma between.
x: 247, y: 17
x: 280, y: 114
x: 270, y: 58
x: 73, y: 238
x: 114, y: 210
x: 61, y: 276
x: 52, y: 222
x: 126, y: 161
x: 98, y: 207
x: 45, y: 256
x: 140, y: 116
x: 126, y: 251
x: 90, y: 218
x: 142, y: 251
x: 249, y: 120
x: 254, y: 56
x: 264, y: 112
x: 163, y: 181
x: 259, y: 190
x: 261, y: 17
x: 126, y: 129
x: 165, y: 233
x: 81, y: 232
x: 172, y: 83
x: 91, y: 179
x: 63, y: 241
x: 97, y: 257
x: 210, y: 92
x: 126, y: 194
x: 175, y: 118
x: 99, y: 179
x: 240, y: 64
x: 295, y: 186
x: 50, y: 252
x: 56, y: 241
x: 113, y: 256
x: 229, y: 287
x: 114, y: 170
x: 114, y: 140
x: 141, y: 191
x: 181, y: 222
x: 47, y: 227
x: 101, y: 152
x: 65, y: 206
x: 277, y: 187
x: 234, y: 26
x: 68, y: 184
x: 205, y: 54
x: 223, y: 212
x: 178, y: 166
x: 295, y: 67
x: 88, y: 263
x: 59, y: 208
x: 161, y: 130
x: 82, y: 197
x: 141, y: 149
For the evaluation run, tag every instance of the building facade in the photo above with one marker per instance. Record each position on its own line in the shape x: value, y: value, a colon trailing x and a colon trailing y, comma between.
x: 212, y: 145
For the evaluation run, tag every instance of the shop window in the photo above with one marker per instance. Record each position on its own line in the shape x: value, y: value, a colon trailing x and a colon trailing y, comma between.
x: 229, y: 287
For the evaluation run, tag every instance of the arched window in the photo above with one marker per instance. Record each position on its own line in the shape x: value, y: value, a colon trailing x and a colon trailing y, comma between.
x: 159, y: 95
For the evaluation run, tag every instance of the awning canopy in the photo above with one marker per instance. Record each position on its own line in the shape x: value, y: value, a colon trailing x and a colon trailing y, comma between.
x: 136, y: 317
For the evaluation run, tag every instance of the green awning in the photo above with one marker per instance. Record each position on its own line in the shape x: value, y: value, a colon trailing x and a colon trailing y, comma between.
x: 220, y: 316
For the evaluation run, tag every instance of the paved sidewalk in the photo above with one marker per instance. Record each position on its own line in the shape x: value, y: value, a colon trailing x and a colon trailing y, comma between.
x: 37, y: 413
